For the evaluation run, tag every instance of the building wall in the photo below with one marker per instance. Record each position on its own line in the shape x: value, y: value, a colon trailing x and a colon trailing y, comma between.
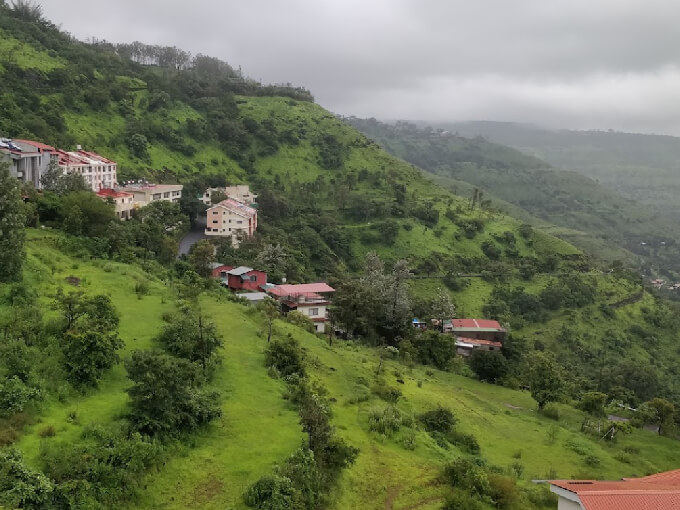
x: 494, y: 336
x: 28, y: 167
x: 565, y: 504
x: 97, y: 176
x: 223, y: 222
x: 315, y: 311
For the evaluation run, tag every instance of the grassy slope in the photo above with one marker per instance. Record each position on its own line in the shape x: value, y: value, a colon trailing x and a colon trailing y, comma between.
x: 260, y: 429
x: 25, y: 55
x: 591, y: 216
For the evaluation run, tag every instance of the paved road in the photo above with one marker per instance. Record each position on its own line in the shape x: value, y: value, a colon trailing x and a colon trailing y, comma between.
x: 192, y: 237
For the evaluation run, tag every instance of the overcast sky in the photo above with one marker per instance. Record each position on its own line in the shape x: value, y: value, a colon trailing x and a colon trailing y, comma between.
x: 578, y: 63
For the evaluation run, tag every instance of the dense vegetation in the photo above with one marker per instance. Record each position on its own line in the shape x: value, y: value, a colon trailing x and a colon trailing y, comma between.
x: 593, y: 216
x: 128, y: 379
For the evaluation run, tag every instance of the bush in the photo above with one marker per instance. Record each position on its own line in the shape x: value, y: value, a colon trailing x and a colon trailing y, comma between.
x: 47, y: 431
x: 15, y: 395
x: 385, y: 421
x: 462, y: 501
x: 467, y: 474
x: 466, y: 442
x: 592, y: 460
x: 438, y: 420
x: 271, y: 493
x: 503, y: 491
x: 551, y: 411
x: 387, y: 393
x: 286, y: 356
x: 489, y: 365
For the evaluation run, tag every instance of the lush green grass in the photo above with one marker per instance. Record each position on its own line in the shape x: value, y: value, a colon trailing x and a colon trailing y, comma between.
x: 260, y: 429
x: 25, y: 56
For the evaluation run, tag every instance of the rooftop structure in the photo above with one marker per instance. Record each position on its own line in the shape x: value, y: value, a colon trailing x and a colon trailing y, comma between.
x: 310, y: 299
x: 655, y: 492
x: 123, y: 202
x: 481, y: 329
x: 240, y: 192
x: 145, y: 193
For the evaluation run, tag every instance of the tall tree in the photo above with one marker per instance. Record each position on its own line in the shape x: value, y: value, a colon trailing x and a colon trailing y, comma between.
x: 544, y: 376
x: 12, y: 221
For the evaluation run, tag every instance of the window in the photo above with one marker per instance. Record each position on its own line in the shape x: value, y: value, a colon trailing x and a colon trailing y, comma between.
x: 215, y: 212
x: 253, y: 278
x: 215, y: 221
x: 157, y: 196
x: 239, y: 222
x: 313, y: 311
x: 166, y: 195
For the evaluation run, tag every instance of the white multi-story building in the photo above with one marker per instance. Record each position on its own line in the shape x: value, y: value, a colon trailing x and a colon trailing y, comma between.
x: 146, y: 193
x: 97, y: 171
x: 28, y: 160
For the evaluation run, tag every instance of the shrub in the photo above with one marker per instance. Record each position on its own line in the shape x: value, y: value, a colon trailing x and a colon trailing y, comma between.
x: 503, y: 491
x: 551, y: 411
x: 271, y: 493
x: 467, y: 474
x: 15, y: 395
x: 286, y: 356
x: 387, y: 393
x: 592, y: 460
x: 466, y: 442
x: 48, y: 431
x: 462, y: 501
x: 438, y: 420
x: 489, y: 365
x: 385, y: 421
x: 141, y: 288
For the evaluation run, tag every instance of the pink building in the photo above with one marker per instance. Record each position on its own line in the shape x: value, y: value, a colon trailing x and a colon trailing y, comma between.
x: 231, y: 218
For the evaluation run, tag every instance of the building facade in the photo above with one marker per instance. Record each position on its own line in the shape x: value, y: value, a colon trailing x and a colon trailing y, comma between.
x: 310, y: 299
x: 241, y: 278
x: 479, y: 329
x: 97, y: 171
x: 232, y: 219
x: 144, y: 194
x: 28, y: 160
x: 122, y: 201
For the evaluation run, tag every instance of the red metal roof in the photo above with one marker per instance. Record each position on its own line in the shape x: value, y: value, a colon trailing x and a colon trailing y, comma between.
x: 655, y: 492
x: 216, y: 272
x: 476, y: 324
x: 112, y: 193
x: 302, y: 289
x: 39, y: 145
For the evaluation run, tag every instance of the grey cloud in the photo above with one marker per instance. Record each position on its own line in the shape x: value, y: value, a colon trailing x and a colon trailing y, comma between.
x: 583, y: 64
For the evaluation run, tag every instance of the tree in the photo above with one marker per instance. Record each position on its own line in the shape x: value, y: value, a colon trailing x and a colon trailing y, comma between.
x: 442, y: 308
x: 85, y: 213
x: 434, y: 348
x: 55, y: 180
x: 89, y: 350
x: 592, y: 404
x: 544, y: 376
x: 12, y: 233
x: 201, y: 256
x: 488, y: 365
x: 21, y: 487
x: 165, y: 398
x: 661, y: 412
x: 274, y: 260
x: 286, y: 356
x: 192, y: 337
x: 270, y: 308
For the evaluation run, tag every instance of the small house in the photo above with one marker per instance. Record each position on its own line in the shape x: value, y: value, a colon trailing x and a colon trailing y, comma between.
x: 240, y: 278
x: 310, y: 299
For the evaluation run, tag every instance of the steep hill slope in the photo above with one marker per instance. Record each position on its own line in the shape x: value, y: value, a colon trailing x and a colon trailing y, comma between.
x: 260, y: 428
x: 565, y: 198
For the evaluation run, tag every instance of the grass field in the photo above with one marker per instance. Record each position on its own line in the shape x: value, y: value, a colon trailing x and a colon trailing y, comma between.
x: 259, y: 428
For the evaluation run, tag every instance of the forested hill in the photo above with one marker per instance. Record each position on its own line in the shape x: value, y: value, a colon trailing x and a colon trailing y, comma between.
x: 643, y: 167
x: 595, y: 217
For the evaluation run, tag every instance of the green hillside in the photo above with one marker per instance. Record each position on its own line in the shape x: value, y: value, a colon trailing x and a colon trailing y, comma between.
x: 260, y: 429
x: 330, y: 200
x: 593, y: 215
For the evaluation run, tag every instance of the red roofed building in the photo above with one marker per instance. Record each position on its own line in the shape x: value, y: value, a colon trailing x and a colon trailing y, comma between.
x: 231, y: 218
x: 98, y: 171
x: 480, y: 329
x: 656, y: 492
x: 122, y: 201
x: 310, y: 299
